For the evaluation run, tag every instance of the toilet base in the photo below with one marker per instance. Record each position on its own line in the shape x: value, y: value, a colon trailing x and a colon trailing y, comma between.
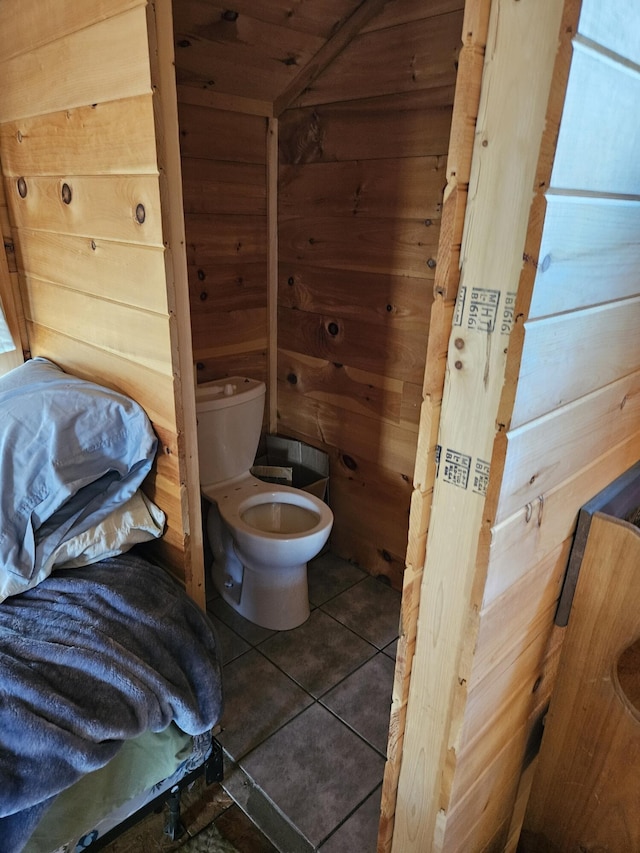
x: 275, y: 598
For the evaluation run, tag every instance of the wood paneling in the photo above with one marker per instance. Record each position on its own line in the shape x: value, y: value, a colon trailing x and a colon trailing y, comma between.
x: 43, y: 21
x: 365, y: 188
x: 545, y: 452
x: 224, y: 183
x: 395, y: 301
x: 318, y: 19
x: 88, y: 69
x: 87, y: 140
x: 213, y: 134
x: 66, y: 205
x: 595, y: 346
x: 407, y: 57
x: 437, y: 807
x: 77, y: 125
x: 354, y: 343
x: 600, y: 157
x: 210, y: 186
x: 589, y: 254
x: 521, y: 542
x: 149, y: 388
x: 406, y: 125
x: 117, y: 328
x: 362, y: 173
x: 105, y: 268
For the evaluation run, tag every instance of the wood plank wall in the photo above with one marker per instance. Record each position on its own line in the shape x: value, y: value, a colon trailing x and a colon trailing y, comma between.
x: 581, y: 341
x: 475, y: 686
x: 362, y: 175
x: 79, y: 159
x: 225, y: 202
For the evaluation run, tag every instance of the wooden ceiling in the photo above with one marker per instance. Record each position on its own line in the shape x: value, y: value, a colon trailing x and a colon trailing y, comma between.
x: 273, y: 50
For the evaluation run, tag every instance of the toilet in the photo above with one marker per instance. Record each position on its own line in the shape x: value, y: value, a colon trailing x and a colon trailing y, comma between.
x: 261, y: 535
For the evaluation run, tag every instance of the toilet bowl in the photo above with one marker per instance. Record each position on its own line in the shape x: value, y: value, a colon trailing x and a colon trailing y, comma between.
x: 261, y: 535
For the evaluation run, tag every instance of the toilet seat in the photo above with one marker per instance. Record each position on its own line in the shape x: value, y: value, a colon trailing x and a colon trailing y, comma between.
x: 234, y: 497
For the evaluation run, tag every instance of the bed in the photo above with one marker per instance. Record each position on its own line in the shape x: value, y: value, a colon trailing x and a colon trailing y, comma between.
x: 111, y: 677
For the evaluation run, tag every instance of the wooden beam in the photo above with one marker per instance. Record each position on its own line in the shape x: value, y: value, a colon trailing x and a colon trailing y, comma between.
x: 325, y: 56
x: 272, y: 270
x: 513, y: 103
x: 160, y: 27
x: 460, y: 147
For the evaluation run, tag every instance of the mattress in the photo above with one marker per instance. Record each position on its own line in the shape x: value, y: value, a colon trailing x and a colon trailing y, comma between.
x: 113, y: 793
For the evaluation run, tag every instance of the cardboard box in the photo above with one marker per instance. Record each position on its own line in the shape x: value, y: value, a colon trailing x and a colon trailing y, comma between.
x: 294, y: 463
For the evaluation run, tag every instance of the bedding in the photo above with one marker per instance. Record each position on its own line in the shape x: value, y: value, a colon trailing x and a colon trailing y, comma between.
x: 71, y: 454
x: 98, y: 646
x: 103, y: 799
x: 89, y: 658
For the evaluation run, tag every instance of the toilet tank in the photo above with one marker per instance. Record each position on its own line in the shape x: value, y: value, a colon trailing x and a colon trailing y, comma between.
x: 229, y: 414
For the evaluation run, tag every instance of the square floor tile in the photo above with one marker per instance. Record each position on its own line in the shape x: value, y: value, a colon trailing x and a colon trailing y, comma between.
x: 329, y: 575
x: 371, y: 609
x: 250, y: 632
x: 258, y: 699
x: 363, y: 700
x: 391, y: 650
x: 360, y: 831
x: 231, y: 645
x: 316, y: 771
x: 317, y: 654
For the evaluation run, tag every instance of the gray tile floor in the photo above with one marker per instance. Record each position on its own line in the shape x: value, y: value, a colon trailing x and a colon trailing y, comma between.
x: 307, y: 712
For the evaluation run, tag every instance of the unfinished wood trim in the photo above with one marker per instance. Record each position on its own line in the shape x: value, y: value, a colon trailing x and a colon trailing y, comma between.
x: 219, y: 101
x: 160, y: 27
x: 327, y: 53
x: 272, y: 271
x: 515, y: 89
x: 465, y: 111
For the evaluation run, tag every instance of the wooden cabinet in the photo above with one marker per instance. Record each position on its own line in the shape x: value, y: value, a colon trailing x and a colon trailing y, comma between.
x: 587, y: 786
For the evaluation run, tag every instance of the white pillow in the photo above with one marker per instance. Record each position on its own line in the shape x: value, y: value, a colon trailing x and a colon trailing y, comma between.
x: 137, y: 520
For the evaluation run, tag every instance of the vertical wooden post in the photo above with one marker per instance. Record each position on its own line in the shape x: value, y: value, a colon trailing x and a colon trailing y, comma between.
x: 272, y: 272
x: 160, y: 25
x: 515, y: 88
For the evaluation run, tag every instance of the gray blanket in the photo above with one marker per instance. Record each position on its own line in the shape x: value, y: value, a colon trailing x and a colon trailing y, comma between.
x: 90, y: 658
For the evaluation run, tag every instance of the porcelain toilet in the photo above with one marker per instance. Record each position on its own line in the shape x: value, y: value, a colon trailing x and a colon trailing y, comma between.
x: 261, y: 535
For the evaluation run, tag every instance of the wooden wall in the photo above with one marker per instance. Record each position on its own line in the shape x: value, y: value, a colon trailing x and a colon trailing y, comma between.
x: 225, y: 203
x: 580, y: 368
x: 473, y: 678
x: 80, y: 166
x: 557, y: 408
x: 361, y: 178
